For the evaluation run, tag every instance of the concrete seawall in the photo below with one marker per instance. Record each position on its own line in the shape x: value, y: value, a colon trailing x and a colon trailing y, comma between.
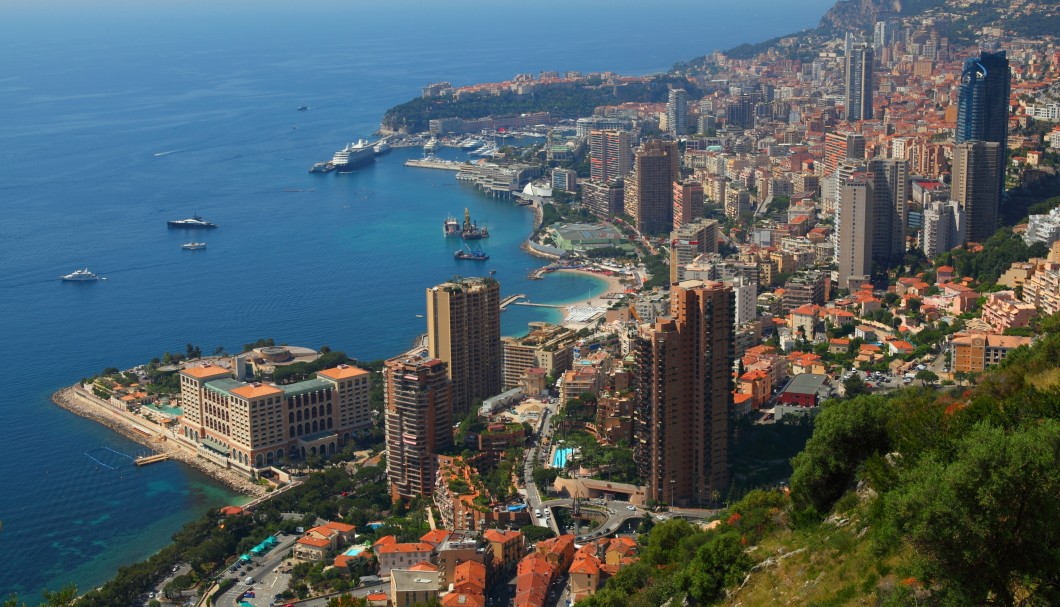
x: 85, y: 404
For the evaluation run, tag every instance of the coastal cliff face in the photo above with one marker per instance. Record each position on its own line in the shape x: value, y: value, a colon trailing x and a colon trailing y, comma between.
x: 850, y: 15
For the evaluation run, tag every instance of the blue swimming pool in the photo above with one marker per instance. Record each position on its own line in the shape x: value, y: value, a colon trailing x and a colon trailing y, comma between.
x: 354, y: 550
x: 559, y: 459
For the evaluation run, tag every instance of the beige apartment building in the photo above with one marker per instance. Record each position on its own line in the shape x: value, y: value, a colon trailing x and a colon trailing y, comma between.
x: 546, y: 346
x: 464, y: 331
x: 419, y: 423
x: 253, y: 425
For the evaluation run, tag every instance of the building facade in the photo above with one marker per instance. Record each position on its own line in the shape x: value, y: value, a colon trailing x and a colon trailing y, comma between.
x: 464, y: 331
x: 978, y: 173
x: 683, y: 375
x: 859, y: 65
x: 610, y: 155
x: 649, y: 187
x: 418, y: 420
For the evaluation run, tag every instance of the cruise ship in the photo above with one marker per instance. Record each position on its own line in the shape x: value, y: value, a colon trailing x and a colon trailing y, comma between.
x: 381, y: 148
x: 353, y: 156
x: 82, y: 275
x: 192, y: 223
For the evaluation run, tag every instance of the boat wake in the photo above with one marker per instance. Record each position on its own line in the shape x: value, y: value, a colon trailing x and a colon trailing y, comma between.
x: 157, y: 154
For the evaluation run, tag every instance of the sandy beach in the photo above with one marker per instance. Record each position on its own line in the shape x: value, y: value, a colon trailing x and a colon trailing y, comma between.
x: 614, y: 286
x: 81, y: 402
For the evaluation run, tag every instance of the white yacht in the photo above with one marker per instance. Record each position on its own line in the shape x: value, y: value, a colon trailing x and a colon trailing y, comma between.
x: 193, y: 246
x: 82, y: 275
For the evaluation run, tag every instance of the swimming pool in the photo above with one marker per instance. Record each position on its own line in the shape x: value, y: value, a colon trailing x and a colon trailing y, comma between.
x: 559, y: 459
x: 354, y: 551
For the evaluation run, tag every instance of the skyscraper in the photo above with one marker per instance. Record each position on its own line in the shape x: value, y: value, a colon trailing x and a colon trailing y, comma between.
x: 690, y: 241
x: 943, y: 227
x: 982, y: 105
x: 464, y: 331
x: 977, y: 177
x: 853, y: 235
x: 890, y: 194
x: 858, y: 101
x: 418, y: 421
x: 610, y: 155
x: 982, y: 115
x: 741, y: 112
x: 677, y: 112
x: 649, y: 188
x: 683, y: 395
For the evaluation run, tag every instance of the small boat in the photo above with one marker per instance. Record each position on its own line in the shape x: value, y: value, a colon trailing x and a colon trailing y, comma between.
x: 322, y: 167
x: 450, y: 227
x: 193, y: 246
x: 82, y: 275
x: 303, y: 108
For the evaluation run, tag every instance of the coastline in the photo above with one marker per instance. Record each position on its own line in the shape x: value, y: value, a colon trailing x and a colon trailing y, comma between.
x: 614, y: 285
x: 84, y: 404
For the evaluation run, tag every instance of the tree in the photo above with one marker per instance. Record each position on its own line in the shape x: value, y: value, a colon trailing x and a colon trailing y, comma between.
x: 846, y: 433
x: 985, y: 522
x: 536, y: 533
x: 64, y: 597
x: 854, y: 386
x: 927, y: 376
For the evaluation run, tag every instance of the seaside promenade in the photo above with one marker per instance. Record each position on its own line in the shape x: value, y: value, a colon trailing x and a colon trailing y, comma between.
x: 81, y: 402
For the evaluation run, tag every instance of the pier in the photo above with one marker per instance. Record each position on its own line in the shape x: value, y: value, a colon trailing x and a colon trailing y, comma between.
x: 538, y: 305
x: 145, y: 460
x: 507, y: 301
x: 434, y: 163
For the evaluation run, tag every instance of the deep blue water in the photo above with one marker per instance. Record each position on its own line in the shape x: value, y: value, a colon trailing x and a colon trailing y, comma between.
x: 120, y: 116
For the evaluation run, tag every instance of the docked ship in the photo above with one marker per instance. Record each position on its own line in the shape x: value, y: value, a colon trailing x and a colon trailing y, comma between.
x: 381, y: 148
x: 193, y: 223
x: 450, y: 227
x: 470, y: 229
x: 353, y: 156
x: 431, y: 146
x: 472, y: 144
x: 193, y: 246
x: 82, y: 275
x: 470, y: 254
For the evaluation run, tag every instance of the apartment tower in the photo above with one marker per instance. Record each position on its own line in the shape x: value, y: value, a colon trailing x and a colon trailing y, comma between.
x: 418, y: 421
x: 610, y: 155
x: 688, y: 202
x: 464, y: 331
x: 853, y: 235
x: 858, y: 100
x: 890, y: 195
x: 649, y: 188
x: 977, y: 178
x: 677, y: 112
x: 683, y: 376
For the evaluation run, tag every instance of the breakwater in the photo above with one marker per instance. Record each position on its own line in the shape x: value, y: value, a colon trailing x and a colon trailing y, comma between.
x: 82, y: 403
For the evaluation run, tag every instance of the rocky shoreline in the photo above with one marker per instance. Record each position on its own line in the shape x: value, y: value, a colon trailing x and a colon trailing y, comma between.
x: 84, y: 404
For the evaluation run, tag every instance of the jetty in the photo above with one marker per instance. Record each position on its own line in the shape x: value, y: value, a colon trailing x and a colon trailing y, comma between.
x: 145, y: 460
x: 435, y: 163
x: 540, y: 305
x: 507, y: 301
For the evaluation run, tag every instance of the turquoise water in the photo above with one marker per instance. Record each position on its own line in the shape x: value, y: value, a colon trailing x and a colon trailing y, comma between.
x: 354, y: 550
x: 119, y: 116
x: 559, y: 459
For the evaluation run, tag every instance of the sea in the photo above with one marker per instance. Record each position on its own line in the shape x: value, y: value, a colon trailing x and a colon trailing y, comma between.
x: 118, y: 116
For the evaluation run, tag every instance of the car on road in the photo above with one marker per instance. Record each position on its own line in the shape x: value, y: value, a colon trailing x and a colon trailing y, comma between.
x: 631, y: 507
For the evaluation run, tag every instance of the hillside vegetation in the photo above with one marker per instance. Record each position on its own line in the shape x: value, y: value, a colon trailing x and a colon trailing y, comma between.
x: 922, y: 497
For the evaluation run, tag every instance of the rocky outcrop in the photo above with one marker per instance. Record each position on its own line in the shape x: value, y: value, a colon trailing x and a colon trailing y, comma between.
x: 859, y: 15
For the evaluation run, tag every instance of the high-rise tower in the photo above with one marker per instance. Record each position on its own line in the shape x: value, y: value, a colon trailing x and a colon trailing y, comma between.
x: 982, y: 105
x: 464, y: 331
x: 418, y: 420
x: 853, y: 235
x: 977, y: 177
x: 649, y: 188
x: 610, y: 155
x: 858, y: 101
x: 683, y: 395
x: 890, y: 194
x: 677, y: 112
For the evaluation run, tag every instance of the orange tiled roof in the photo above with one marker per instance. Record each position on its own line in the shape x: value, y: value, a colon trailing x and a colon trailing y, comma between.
x: 312, y: 541
x: 435, y: 536
x: 343, y: 372
x: 204, y: 371
x: 409, y: 547
x: 256, y: 391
